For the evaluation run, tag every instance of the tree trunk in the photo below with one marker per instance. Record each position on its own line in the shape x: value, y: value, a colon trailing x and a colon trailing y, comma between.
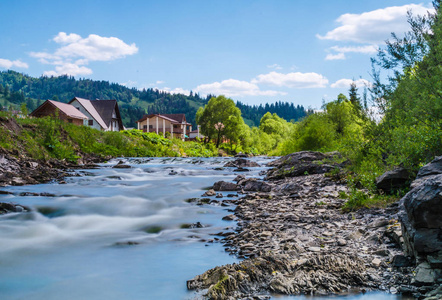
x: 218, y: 139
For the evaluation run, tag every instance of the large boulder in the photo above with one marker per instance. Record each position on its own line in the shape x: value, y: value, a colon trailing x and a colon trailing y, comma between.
x: 241, y: 163
x: 433, y: 168
x: 225, y: 186
x: 421, y: 217
x: 394, y: 180
x: 254, y: 185
x: 300, y: 163
x: 421, y: 222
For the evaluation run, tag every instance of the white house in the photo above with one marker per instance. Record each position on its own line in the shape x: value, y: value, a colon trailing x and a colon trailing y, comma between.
x: 102, y: 114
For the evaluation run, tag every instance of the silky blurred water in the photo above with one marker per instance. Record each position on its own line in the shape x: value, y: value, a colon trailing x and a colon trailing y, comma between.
x: 74, y: 243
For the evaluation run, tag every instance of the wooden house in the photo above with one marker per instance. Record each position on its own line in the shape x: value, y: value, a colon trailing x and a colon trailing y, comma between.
x: 65, y: 112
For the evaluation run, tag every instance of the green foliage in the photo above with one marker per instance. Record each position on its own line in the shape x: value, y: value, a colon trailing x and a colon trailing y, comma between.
x: 411, y: 131
x: 219, y: 119
x: 316, y: 132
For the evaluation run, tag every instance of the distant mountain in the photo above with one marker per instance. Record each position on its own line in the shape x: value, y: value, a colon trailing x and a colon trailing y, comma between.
x: 17, y: 88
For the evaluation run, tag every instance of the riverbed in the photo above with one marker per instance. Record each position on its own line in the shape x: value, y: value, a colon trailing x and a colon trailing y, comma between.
x: 112, y: 233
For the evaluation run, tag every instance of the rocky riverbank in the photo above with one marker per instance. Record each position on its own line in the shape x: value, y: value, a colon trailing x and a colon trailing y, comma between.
x: 294, y: 238
x: 23, y: 170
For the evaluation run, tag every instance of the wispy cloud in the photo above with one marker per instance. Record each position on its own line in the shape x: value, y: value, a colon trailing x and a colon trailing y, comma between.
x: 75, y: 52
x: 7, y: 64
x: 369, y: 49
x: 130, y: 84
x: 375, y: 26
x: 292, y: 80
x: 275, y: 67
x: 341, y: 51
x: 338, y: 56
x: 345, y: 83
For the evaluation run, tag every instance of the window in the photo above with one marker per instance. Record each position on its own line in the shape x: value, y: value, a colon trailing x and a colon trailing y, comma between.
x: 144, y: 126
x: 70, y: 120
x: 91, y: 122
x: 150, y: 126
x: 175, y: 126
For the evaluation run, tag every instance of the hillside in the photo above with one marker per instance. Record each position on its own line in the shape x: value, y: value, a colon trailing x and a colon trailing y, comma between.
x: 17, y: 88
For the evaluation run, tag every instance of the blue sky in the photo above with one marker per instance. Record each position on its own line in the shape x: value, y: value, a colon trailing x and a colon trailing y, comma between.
x: 298, y: 51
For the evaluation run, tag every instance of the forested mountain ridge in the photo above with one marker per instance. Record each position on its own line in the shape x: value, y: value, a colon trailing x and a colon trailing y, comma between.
x: 17, y: 88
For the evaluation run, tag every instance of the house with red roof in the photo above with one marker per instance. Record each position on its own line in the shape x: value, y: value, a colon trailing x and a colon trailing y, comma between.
x: 63, y: 111
x: 175, y: 124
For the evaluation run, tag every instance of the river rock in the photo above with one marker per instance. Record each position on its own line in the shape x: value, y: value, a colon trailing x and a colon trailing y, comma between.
x: 121, y: 165
x: 401, y: 261
x: 254, y: 185
x: 317, y: 274
x: 11, y: 208
x: 241, y: 163
x: 229, y: 218
x: 225, y: 186
x: 300, y: 163
x: 393, y: 180
x: 425, y: 275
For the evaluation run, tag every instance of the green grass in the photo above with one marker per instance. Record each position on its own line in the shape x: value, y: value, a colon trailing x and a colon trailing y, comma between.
x: 44, y: 138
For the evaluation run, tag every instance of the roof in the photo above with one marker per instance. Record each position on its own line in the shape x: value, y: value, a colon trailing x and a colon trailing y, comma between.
x: 179, y: 117
x: 87, y: 104
x: 65, y: 108
x: 105, y: 108
x: 173, y: 118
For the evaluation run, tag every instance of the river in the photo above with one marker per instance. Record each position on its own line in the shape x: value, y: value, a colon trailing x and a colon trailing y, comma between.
x: 118, y: 233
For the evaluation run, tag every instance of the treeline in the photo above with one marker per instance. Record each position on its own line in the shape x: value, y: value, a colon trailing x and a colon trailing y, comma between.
x: 17, y: 88
x: 288, y: 111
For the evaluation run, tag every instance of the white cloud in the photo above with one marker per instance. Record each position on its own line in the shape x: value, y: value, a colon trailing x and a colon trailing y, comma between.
x: 369, y: 49
x: 339, y: 56
x: 63, y: 38
x: 292, y: 80
x: 69, y: 69
x: 345, y: 83
x: 375, y: 26
x: 275, y: 67
x: 75, y: 52
x: 7, y: 64
x: 234, y: 88
x: 96, y: 48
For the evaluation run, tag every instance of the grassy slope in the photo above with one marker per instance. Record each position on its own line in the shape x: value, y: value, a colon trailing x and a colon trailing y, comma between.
x: 46, y: 138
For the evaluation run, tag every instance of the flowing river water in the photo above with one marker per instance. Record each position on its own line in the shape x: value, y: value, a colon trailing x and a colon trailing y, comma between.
x: 118, y: 233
